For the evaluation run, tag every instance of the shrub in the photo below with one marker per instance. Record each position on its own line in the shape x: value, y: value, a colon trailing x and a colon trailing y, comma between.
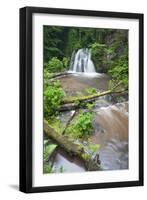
x: 97, y: 52
x: 90, y: 106
x: 93, y: 148
x: 91, y: 91
x: 119, y: 71
x: 53, y: 96
x: 84, y: 123
x: 81, y: 126
x: 46, y: 77
x: 54, y: 65
x: 65, y: 62
x: 48, y: 168
x: 48, y: 150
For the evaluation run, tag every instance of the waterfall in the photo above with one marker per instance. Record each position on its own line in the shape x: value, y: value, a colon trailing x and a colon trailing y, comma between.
x: 81, y: 61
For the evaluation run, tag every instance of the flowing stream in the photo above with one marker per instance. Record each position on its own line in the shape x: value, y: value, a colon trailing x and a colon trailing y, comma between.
x: 111, y: 117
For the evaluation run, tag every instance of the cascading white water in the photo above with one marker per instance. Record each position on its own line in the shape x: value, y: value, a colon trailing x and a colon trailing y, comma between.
x: 81, y: 61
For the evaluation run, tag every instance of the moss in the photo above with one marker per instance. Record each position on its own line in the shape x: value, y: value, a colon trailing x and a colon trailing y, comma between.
x: 80, y: 148
x: 90, y: 106
x: 48, y: 150
x: 81, y: 126
x: 85, y: 156
x: 53, y: 96
x: 91, y: 91
x: 77, y: 100
x: 56, y: 124
x: 93, y: 148
x: 47, y: 168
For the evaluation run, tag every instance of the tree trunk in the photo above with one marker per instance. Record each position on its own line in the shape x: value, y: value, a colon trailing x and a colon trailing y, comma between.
x: 68, y: 107
x: 90, y: 97
x: 70, y: 103
x: 71, y: 148
x: 58, y: 75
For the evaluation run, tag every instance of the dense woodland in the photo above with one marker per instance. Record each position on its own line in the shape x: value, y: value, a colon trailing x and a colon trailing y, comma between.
x: 109, y: 49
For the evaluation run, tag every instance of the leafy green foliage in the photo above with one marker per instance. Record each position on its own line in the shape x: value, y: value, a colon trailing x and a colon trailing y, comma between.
x: 53, y: 97
x: 119, y: 71
x: 85, y: 156
x: 46, y: 77
x: 91, y: 91
x: 55, y: 65
x: 98, y: 51
x: 48, y: 150
x: 81, y: 126
x: 97, y: 47
x: 111, y: 84
x: 45, y: 141
x: 84, y: 123
x: 65, y: 62
x: 90, y: 106
x: 77, y: 101
x: 80, y: 103
x: 54, y: 39
x: 48, y: 168
x: 56, y: 124
x: 46, y: 74
x: 73, y: 41
x: 93, y: 148
x: 61, y: 170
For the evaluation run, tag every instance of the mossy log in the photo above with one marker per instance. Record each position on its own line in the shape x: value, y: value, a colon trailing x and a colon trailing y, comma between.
x: 90, y: 97
x: 71, y: 148
x: 70, y: 103
x: 58, y: 75
x: 68, y: 107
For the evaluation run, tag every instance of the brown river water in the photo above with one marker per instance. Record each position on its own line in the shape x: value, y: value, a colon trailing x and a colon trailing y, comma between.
x: 110, y: 125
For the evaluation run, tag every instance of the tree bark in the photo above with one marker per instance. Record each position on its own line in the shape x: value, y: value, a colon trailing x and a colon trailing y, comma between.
x: 70, y: 104
x: 90, y: 97
x: 59, y: 75
x: 68, y: 107
x: 71, y: 148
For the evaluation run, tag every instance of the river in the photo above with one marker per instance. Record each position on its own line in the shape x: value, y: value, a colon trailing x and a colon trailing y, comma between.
x: 110, y: 124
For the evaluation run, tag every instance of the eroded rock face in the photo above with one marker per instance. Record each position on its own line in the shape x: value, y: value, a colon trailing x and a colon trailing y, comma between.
x: 77, y: 83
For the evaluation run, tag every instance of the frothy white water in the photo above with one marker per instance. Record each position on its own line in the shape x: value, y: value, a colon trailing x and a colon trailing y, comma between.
x: 81, y: 61
x: 87, y: 74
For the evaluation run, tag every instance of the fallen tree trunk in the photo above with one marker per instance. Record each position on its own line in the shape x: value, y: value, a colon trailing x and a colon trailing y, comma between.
x: 70, y: 104
x: 68, y: 107
x: 90, y: 97
x: 70, y: 147
x: 58, y: 75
